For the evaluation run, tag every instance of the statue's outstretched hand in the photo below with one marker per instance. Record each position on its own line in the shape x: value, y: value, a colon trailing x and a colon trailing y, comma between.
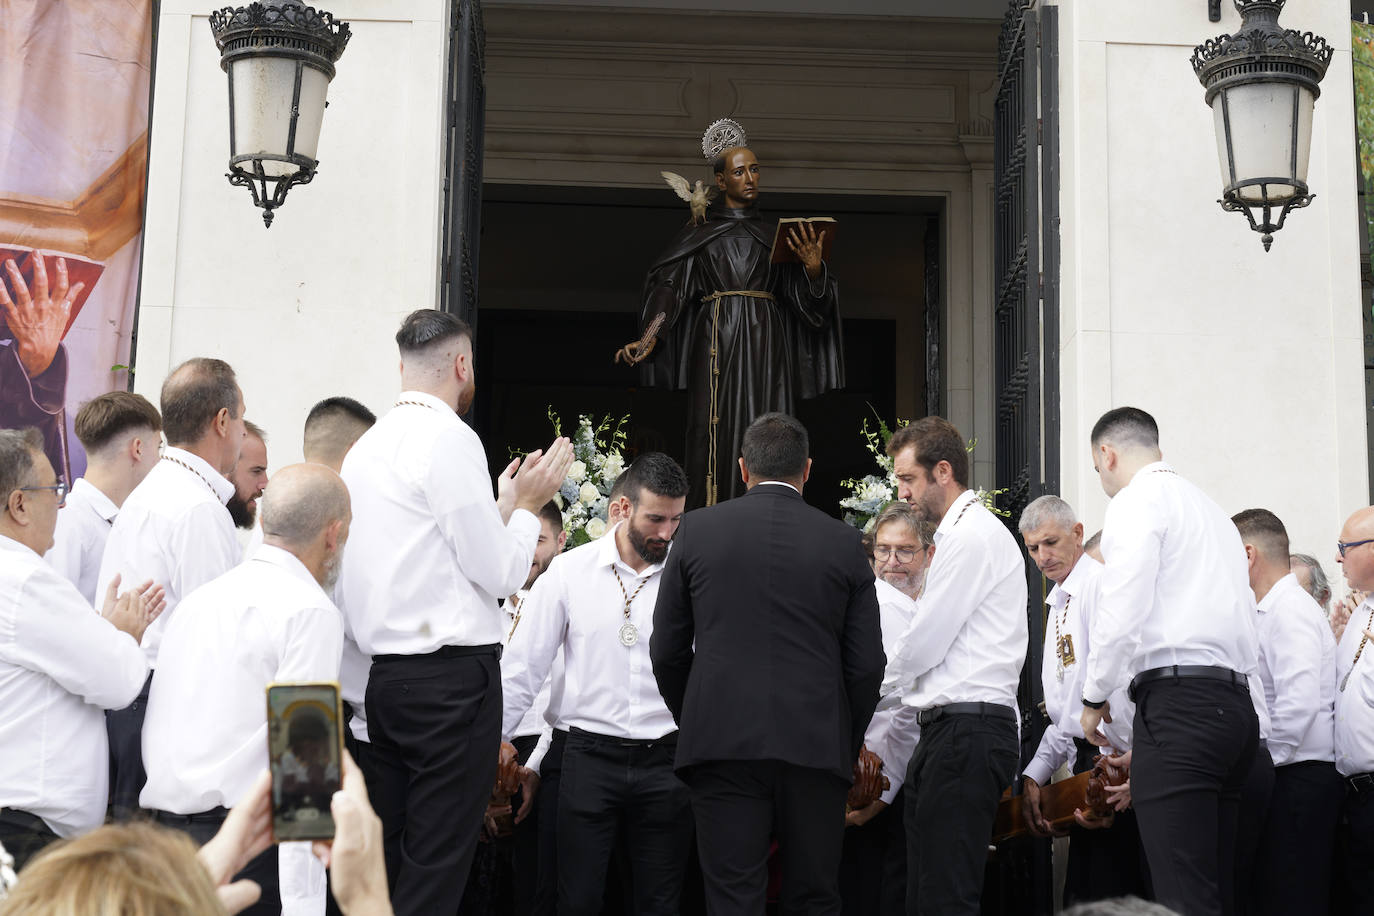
x: 635, y: 352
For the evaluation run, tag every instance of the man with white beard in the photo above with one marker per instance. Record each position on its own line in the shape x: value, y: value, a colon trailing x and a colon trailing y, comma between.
x: 270, y: 619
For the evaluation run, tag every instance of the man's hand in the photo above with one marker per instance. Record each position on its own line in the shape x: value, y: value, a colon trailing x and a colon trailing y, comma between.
x: 541, y: 474
x: 529, y: 788
x: 357, y: 871
x: 1091, y: 718
x: 1120, y: 796
x: 1341, y: 611
x: 246, y: 832
x: 1030, y: 810
x: 869, y: 781
x: 864, y: 815
x: 132, y: 611
x: 38, y: 320
x: 507, y: 770
x: 807, y: 245
x: 505, y: 490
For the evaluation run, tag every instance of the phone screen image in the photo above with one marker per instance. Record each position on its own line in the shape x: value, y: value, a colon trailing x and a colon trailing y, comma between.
x: 304, y: 747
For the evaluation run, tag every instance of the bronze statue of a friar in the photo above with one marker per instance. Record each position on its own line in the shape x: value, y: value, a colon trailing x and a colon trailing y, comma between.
x: 744, y: 335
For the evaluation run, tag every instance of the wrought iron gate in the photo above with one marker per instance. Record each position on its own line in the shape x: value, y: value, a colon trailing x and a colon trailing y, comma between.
x: 466, y: 104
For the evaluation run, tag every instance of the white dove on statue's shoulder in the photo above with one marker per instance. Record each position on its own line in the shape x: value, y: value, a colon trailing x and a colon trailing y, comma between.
x: 697, y: 198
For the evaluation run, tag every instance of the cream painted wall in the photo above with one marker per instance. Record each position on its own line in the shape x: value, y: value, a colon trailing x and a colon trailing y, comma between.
x: 1251, y: 362
x: 306, y: 309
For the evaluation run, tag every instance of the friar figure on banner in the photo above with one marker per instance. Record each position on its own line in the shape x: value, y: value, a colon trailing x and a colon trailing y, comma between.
x: 744, y: 329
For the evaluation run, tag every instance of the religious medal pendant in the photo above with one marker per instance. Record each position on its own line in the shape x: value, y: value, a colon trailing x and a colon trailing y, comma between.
x: 629, y: 634
x: 1066, y: 656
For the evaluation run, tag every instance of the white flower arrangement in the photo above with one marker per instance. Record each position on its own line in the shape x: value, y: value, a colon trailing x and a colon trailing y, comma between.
x: 584, y: 497
x: 870, y: 495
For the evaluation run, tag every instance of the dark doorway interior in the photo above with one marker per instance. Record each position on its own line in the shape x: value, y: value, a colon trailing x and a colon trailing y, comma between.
x: 561, y: 271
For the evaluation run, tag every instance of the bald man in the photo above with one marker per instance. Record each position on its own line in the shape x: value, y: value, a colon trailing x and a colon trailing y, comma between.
x: 1354, y: 891
x: 271, y: 619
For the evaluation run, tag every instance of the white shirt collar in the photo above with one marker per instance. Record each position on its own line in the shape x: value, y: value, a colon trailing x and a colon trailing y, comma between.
x: 182, y: 460
x: 1266, y: 604
x: 286, y: 560
x: 956, y: 509
x: 778, y: 483
x: 1073, y: 583
x: 9, y: 543
x: 101, y: 504
x: 609, y: 553
x: 428, y: 400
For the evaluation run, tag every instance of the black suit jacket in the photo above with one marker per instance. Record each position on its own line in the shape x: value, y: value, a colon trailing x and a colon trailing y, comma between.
x: 788, y: 656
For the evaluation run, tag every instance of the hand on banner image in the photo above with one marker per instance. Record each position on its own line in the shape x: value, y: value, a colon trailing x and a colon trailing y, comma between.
x: 1091, y: 719
x: 37, y: 317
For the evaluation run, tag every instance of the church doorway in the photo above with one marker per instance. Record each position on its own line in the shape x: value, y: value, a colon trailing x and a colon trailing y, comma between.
x: 561, y: 273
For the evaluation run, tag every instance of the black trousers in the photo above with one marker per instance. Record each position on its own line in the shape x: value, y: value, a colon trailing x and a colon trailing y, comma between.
x: 1299, y: 839
x: 873, y: 863
x: 955, y: 779
x: 1254, y: 811
x: 124, y: 728
x: 1104, y: 863
x: 739, y: 807
x: 610, y: 789
x: 23, y: 835
x: 262, y: 869
x: 1353, y: 894
x: 435, y: 725
x: 1194, y: 746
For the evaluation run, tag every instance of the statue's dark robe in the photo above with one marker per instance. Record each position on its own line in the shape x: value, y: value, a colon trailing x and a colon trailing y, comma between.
x: 772, y: 353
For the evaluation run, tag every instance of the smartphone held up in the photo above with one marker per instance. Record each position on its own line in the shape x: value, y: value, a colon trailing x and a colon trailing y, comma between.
x: 304, y: 749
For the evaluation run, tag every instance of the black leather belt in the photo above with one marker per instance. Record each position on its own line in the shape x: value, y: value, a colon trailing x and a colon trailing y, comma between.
x: 1179, y: 672
x: 446, y: 652
x: 936, y: 713
x: 1361, y: 782
x: 668, y: 740
x: 213, y: 816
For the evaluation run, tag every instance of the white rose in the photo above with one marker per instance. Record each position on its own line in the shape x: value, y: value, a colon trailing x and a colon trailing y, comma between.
x: 588, y: 494
x: 577, y: 471
x: 613, y: 465
x: 595, y: 528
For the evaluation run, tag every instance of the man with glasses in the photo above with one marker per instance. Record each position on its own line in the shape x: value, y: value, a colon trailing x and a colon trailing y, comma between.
x: 174, y: 529
x: 1354, y: 890
x: 60, y: 664
x: 1177, y: 620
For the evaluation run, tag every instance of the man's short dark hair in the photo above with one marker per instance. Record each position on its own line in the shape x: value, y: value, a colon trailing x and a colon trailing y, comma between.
x: 339, y: 406
x: 934, y: 439
x: 657, y: 473
x: 424, y: 328
x: 18, y: 450
x: 1265, y: 531
x: 107, y: 416
x: 193, y: 396
x: 776, y: 447
x: 1126, y: 426
x: 618, y: 488
x: 332, y: 426
x: 549, y: 512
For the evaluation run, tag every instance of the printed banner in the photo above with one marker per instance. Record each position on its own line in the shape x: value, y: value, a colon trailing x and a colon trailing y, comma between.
x: 74, y: 78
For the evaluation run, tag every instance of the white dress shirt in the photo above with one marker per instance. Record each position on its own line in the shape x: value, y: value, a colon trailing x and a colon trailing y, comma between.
x: 354, y: 670
x: 1071, y: 606
x: 535, y: 719
x: 172, y: 529
x: 61, y: 666
x: 1355, y: 704
x: 608, y: 688
x: 83, y: 526
x: 1297, y: 668
x: 1176, y: 590
x: 427, y: 552
x: 893, y: 732
x: 205, y: 735
x: 967, y: 642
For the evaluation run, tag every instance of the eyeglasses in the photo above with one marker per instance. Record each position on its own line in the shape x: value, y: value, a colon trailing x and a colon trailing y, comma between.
x: 903, y: 554
x: 1343, y: 546
x: 58, y: 488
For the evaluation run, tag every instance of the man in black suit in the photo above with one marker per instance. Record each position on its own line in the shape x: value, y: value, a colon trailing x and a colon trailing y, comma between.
x: 773, y: 701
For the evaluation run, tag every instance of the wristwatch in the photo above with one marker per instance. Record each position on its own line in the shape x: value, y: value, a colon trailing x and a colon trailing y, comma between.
x: 1091, y: 705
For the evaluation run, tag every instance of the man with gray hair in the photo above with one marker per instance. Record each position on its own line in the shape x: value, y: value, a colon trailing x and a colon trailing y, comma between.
x: 270, y: 619
x: 60, y: 664
x: 1104, y: 857
x: 1307, y: 569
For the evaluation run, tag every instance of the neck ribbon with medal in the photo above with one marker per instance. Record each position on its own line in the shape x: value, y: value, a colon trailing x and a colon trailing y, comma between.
x: 629, y: 633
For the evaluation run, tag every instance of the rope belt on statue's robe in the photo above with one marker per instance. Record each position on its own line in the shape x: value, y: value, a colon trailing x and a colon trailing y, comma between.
x: 714, y: 299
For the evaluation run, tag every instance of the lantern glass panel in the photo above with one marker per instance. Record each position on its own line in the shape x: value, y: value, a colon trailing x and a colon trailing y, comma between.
x: 314, y: 86
x: 1261, y: 132
x: 263, y: 90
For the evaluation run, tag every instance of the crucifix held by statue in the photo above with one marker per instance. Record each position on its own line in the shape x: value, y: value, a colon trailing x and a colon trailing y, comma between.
x: 742, y: 317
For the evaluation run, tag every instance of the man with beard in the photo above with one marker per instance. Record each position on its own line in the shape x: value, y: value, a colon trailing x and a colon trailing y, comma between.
x: 873, y: 865
x: 432, y: 552
x: 959, y: 664
x: 596, y: 604
x: 249, y: 477
x: 267, y: 620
